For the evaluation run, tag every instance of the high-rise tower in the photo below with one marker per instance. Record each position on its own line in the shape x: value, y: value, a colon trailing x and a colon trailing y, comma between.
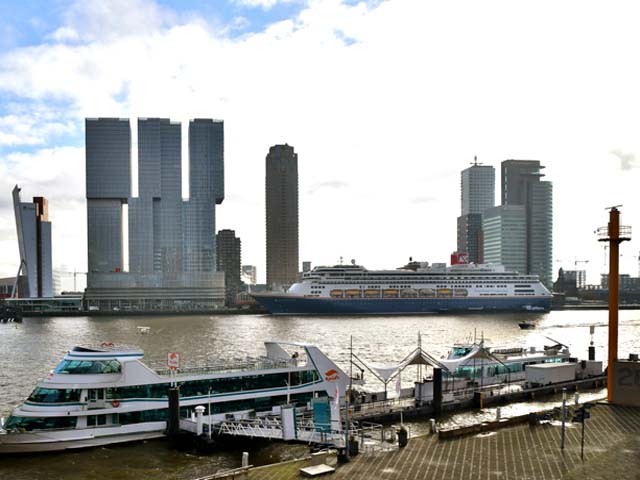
x: 282, y: 216
x: 34, y: 242
x: 477, y: 193
x: 171, y: 241
x: 522, y: 184
x: 228, y: 260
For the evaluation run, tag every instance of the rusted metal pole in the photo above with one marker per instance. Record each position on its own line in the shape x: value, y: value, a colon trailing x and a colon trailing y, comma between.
x: 614, y: 295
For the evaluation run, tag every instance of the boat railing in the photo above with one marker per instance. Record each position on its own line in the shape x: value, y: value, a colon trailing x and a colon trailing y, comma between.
x: 262, y: 363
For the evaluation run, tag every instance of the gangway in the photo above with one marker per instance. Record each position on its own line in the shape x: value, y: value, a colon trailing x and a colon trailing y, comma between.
x: 272, y: 427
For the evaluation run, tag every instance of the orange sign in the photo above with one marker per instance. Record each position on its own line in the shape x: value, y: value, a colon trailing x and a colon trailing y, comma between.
x: 331, y: 375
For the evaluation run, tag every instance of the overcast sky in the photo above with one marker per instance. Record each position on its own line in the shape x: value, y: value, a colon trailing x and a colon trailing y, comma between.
x: 385, y: 103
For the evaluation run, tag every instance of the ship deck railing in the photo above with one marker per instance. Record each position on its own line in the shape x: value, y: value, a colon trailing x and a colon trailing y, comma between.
x: 248, y: 364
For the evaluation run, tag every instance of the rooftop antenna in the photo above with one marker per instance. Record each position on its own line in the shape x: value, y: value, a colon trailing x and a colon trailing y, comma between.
x: 475, y: 161
x: 340, y: 259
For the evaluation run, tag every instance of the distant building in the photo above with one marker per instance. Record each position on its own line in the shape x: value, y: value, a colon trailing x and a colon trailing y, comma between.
x: 477, y: 193
x: 229, y: 253
x: 306, y: 266
x: 282, y: 216
x: 522, y: 185
x: 34, y: 242
x: 505, y: 236
x: 171, y: 241
x: 250, y: 274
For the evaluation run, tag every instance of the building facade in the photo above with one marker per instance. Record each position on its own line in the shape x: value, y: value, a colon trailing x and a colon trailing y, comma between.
x: 171, y: 241
x: 282, y: 216
x: 34, y: 243
x: 505, y: 237
x: 477, y: 193
x: 522, y: 184
x: 229, y: 259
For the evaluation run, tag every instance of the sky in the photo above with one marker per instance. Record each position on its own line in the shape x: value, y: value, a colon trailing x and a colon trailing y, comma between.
x: 385, y: 103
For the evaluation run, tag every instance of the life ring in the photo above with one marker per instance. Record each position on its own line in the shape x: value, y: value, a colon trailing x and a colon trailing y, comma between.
x: 115, y: 403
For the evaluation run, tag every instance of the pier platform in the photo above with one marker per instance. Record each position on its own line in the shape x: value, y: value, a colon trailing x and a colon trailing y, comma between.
x: 611, y: 450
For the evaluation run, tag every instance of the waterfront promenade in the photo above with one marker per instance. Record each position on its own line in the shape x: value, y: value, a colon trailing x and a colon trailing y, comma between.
x: 611, y: 451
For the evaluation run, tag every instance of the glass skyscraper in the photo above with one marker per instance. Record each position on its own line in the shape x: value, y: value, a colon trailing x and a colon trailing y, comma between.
x: 34, y: 242
x: 171, y: 241
x: 477, y: 193
x: 527, y: 203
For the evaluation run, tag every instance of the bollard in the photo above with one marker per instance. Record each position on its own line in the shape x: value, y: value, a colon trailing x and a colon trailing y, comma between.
x: 577, y: 398
x: 403, y: 437
x: 245, y: 459
x: 432, y: 424
x: 498, y: 414
x: 199, y: 422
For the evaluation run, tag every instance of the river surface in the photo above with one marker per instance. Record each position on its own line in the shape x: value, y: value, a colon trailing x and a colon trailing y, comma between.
x: 30, y: 350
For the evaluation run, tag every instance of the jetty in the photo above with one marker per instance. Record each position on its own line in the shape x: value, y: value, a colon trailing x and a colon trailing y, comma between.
x: 611, y: 446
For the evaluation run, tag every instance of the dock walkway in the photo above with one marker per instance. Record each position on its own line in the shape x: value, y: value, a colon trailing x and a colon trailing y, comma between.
x: 612, y: 450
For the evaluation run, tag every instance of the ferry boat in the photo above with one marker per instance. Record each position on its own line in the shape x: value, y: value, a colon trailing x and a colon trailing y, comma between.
x: 477, y: 363
x: 416, y: 288
x: 104, y: 394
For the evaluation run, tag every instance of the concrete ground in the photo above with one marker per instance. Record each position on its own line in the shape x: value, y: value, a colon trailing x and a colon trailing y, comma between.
x: 612, y: 451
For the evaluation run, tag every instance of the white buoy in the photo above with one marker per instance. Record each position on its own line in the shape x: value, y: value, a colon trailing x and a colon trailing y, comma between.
x: 577, y: 398
x: 498, y: 414
x: 245, y: 459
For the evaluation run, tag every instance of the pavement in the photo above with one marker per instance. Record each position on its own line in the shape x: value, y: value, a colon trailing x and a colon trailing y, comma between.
x: 611, y: 451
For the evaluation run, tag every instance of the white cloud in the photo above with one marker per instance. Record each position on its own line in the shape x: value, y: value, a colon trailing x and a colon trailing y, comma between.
x: 265, y: 4
x: 393, y: 100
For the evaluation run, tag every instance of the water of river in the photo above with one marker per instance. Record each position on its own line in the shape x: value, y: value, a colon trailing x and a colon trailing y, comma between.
x: 31, y: 349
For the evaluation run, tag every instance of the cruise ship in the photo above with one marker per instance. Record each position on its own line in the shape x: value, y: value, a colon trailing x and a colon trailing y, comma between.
x: 104, y: 394
x: 415, y: 288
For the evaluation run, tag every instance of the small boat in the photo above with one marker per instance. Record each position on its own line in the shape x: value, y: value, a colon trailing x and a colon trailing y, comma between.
x: 143, y: 330
x: 527, y: 325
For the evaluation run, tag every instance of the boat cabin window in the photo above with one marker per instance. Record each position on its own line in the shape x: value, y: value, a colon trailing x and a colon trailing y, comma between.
x: 54, y: 395
x: 79, y: 367
x: 39, y: 423
x: 460, y: 351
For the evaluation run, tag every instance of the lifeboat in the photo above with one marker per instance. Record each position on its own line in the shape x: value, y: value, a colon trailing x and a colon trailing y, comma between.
x: 389, y: 293
x: 427, y: 292
x: 444, y: 292
x: 337, y: 294
x: 353, y: 293
x: 408, y: 293
x: 372, y: 293
x: 460, y: 292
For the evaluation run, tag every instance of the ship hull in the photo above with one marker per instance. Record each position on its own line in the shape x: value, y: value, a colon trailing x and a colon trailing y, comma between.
x: 298, y: 305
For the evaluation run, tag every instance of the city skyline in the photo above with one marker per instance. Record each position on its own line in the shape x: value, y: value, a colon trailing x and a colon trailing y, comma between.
x: 487, y: 84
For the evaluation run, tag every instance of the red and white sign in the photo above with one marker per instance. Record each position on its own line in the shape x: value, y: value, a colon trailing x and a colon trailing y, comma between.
x: 331, y: 375
x: 173, y: 360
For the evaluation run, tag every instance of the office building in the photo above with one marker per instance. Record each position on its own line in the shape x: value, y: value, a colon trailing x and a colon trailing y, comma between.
x: 505, y: 237
x: 34, y: 243
x: 228, y: 254
x: 282, y: 216
x: 477, y: 193
x: 522, y: 184
x: 170, y: 244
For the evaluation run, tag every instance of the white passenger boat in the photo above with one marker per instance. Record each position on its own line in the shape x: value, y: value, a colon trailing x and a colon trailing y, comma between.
x: 104, y: 394
x: 475, y: 363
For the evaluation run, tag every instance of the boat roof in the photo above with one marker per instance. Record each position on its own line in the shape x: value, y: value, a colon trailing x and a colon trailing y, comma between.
x: 106, y: 347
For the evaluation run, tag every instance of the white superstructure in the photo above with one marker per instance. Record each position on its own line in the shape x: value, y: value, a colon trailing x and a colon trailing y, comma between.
x: 418, y: 280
